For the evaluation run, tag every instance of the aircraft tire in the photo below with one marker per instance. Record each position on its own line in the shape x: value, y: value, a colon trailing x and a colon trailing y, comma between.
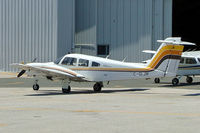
x: 157, y: 80
x: 189, y: 80
x: 66, y: 90
x: 175, y: 81
x: 97, y: 87
x: 36, y: 87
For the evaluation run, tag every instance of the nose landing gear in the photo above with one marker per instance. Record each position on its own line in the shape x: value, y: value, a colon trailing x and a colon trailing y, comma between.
x: 36, y: 86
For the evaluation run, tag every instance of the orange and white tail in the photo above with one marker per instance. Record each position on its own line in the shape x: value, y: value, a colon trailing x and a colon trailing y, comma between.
x: 167, y: 57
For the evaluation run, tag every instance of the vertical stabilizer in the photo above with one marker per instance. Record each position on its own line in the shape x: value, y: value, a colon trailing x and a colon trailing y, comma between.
x: 167, y: 57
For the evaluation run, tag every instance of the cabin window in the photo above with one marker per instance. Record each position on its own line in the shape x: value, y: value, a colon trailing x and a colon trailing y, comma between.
x: 83, y: 62
x: 191, y: 61
x: 57, y: 61
x: 95, y: 64
x: 182, y: 60
x: 69, y: 61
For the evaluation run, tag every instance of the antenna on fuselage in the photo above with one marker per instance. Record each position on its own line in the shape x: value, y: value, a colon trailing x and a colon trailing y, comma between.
x: 194, y: 49
x: 124, y: 59
x: 187, y: 50
x: 108, y: 56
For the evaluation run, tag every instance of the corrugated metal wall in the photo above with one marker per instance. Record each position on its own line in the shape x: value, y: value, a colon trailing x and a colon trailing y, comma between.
x: 128, y: 26
x: 162, y: 21
x: 66, y: 26
x: 85, y: 28
x: 86, y: 21
x: 29, y: 29
x: 45, y: 28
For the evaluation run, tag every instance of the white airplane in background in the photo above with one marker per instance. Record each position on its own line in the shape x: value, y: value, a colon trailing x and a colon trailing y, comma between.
x: 84, y: 68
x: 189, y: 66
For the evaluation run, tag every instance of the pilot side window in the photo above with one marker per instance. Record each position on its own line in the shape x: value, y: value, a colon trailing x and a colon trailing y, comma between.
x: 69, y: 61
x: 191, y: 61
x: 95, y: 64
x: 83, y: 62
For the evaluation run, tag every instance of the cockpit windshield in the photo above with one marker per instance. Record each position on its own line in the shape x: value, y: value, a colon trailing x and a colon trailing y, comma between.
x: 57, y: 61
x: 69, y: 61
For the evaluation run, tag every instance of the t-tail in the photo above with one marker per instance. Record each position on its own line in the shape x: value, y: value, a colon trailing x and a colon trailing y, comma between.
x: 167, y: 57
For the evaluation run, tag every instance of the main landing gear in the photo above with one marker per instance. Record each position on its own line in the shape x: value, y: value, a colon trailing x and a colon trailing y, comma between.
x: 157, y: 80
x: 175, y: 81
x: 66, y: 88
x: 189, y: 79
x: 97, y: 86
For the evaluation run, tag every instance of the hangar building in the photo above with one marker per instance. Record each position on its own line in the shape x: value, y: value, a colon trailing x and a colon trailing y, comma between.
x: 48, y: 29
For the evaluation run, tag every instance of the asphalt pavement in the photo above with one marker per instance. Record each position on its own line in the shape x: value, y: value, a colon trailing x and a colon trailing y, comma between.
x: 138, y: 106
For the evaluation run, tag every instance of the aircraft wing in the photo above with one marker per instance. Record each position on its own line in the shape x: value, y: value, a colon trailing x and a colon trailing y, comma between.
x: 53, y: 71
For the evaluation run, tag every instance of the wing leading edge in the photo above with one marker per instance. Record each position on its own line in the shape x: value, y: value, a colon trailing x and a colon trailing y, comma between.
x: 52, y: 70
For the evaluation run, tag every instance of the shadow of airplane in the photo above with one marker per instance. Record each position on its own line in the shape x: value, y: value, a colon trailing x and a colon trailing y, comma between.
x: 167, y: 84
x: 58, y: 92
x: 195, y: 94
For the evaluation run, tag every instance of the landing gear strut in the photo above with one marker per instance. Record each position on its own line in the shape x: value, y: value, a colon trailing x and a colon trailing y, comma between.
x: 97, y: 86
x: 66, y: 88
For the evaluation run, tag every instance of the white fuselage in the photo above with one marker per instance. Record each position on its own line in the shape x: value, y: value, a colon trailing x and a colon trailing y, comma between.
x: 108, y: 69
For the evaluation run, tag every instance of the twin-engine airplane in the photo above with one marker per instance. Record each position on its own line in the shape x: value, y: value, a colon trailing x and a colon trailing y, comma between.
x: 84, y: 68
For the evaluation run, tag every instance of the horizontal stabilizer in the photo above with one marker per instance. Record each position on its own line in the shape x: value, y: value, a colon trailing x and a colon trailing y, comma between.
x: 175, y: 41
x: 149, y: 51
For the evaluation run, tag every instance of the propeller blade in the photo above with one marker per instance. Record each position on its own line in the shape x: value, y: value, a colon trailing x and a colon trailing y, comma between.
x: 21, y: 73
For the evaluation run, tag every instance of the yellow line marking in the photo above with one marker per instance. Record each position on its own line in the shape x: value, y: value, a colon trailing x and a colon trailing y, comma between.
x: 8, y: 73
x: 147, y: 113
x: 106, y: 111
x: 118, y: 86
x: 11, y: 74
x: 3, y: 125
x: 15, y: 83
